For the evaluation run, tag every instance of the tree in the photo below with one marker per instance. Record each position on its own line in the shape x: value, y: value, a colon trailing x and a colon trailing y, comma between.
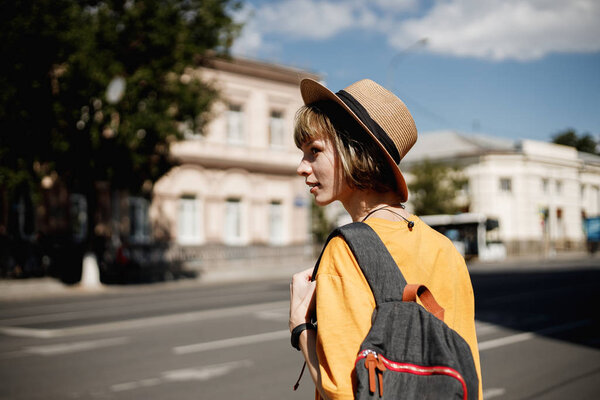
x: 33, y: 42
x: 584, y: 142
x: 320, y: 226
x: 96, y: 90
x: 60, y: 57
x: 434, y: 188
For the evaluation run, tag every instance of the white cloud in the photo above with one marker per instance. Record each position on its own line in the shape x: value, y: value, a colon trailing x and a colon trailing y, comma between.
x: 500, y: 29
x: 251, y: 40
x: 490, y: 29
x: 310, y: 19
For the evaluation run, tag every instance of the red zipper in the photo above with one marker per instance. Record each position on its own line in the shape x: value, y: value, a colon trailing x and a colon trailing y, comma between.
x: 406, y: 368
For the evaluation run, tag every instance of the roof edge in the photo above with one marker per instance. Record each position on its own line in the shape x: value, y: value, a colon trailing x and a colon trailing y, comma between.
x: 258, y: 69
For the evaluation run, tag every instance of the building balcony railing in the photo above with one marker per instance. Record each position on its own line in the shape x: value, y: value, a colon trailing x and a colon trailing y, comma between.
x: 221, y: 155
x: 207, y: 254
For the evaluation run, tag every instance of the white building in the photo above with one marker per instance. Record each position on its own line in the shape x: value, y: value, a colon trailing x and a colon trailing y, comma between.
x: 538, y: 191
x: 235, y: 194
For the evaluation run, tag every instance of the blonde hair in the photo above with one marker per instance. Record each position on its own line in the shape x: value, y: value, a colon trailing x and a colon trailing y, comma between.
x: 363, y: 163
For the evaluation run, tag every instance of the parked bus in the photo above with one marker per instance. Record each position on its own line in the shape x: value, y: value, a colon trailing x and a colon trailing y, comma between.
x: 474, y: 235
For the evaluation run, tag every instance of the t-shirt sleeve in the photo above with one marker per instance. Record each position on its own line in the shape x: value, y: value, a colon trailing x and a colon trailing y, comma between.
x: 344, y: 308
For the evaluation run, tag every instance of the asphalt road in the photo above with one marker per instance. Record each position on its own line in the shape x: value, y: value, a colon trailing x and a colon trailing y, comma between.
x: 538, y: 331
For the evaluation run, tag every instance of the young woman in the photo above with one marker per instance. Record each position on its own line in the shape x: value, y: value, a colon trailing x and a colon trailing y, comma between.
x: 352, y: 144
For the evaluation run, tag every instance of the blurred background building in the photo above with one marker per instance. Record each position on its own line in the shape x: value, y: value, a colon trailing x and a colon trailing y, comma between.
x: 539, y: 193
x: 232, y: 202
x: 235, y: 197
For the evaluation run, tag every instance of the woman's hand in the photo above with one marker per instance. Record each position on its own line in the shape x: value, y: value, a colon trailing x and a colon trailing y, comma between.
x: 302, y: 298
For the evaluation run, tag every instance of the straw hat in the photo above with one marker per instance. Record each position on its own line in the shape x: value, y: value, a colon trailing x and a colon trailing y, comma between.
x: 381, y: 114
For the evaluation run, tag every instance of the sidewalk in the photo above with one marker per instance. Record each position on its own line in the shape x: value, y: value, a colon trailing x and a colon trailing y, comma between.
x: 38, y: 288
x: 51, y: 288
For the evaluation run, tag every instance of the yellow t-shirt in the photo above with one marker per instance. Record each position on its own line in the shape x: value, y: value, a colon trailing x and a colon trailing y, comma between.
x: 345, y: 302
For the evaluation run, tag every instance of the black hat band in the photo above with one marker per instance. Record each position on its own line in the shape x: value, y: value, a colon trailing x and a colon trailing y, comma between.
x: 373, y: 126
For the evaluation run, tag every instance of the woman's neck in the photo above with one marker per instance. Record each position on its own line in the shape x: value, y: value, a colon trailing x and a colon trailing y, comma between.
x: 362, y: 203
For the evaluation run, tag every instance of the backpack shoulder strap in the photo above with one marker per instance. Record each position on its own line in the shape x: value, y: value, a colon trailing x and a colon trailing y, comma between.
x: 379, y: 268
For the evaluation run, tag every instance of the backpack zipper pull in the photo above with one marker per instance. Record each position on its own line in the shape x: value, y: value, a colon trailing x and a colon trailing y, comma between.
x: 380, y: 368
x: 371, y: 364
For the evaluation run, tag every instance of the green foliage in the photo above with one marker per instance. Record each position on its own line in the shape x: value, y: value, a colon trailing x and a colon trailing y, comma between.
x: 434, y: 188
x: 584, y: 142
x: 59, y: 57
x: 320, y: 225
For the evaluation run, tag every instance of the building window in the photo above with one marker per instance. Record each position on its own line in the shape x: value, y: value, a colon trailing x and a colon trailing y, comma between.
x: 506, y: 185
x: 235, y: 124
x: 233, y: 221
x: 189, y: 220
x: 22, y: 214
x: 276, y: 129
x: 545, y: 184
x: 466, y: 188
x: 560, y: 226
x: 139, y: 221
x: 558, y: 187
x: 276, y: 223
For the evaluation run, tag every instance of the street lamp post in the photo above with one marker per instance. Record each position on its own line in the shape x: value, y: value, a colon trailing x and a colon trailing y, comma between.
x: 90, y: 274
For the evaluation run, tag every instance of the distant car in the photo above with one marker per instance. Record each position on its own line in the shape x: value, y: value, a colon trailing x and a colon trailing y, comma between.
x: 139, y: 263
x: 22, y: 258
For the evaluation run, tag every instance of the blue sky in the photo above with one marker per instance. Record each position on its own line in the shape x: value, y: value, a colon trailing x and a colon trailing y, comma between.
x: 519, y: 69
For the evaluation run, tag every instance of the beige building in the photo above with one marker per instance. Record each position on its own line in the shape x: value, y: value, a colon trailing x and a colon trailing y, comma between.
x: 235, y: 194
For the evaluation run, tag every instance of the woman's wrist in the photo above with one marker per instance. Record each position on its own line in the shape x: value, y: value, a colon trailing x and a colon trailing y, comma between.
x: 299, y: 315
x: 294, y: 322
x: 298, y: 330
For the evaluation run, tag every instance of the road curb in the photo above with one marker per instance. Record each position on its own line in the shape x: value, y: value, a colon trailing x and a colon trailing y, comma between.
x: 12, y: 290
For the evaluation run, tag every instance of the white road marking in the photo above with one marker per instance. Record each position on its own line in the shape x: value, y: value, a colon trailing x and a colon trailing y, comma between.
x: 494, y: 392
x: 237, y: 341
x: 150, y: 382
x: 27, y: 332
x: 119, y: 387
x: 506, y: 340
x: 483, y: 328
x: 265, y: 337
x: 184, y: 375
x: 141, y: 322
x: 73, y: 347
x: 521, y: 337
x: 100, y: 308
x: 281, y: 314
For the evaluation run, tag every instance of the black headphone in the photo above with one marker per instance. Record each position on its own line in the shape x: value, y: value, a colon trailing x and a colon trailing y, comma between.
x: 410, y: 224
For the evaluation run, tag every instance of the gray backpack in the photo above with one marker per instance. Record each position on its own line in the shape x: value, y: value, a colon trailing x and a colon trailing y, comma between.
x: 409, y: 352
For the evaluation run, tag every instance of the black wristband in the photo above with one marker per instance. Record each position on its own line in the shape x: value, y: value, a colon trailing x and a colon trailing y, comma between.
x: 298, y: 330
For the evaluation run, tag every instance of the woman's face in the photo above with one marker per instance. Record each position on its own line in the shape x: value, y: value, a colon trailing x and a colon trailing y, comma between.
x: 321, y: 172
